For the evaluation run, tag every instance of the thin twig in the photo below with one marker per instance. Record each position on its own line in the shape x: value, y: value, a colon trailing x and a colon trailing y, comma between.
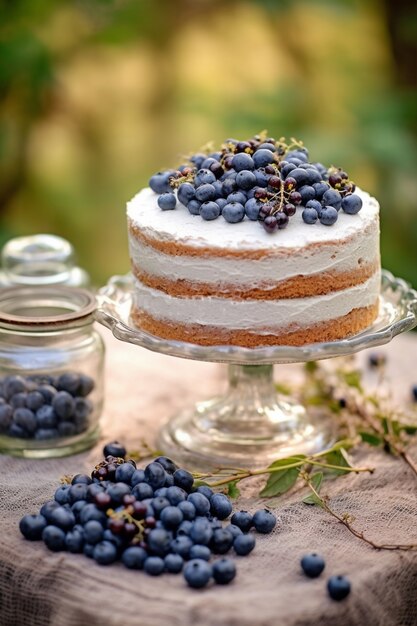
x: 344, y: 519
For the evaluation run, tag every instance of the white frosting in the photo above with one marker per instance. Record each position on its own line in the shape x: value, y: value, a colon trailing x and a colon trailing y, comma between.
x: 355, y: 253
x: 256, y: 314
x: 179, y: 225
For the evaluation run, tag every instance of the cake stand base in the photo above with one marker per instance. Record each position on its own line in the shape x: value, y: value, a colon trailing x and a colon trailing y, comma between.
x: 250, y: 426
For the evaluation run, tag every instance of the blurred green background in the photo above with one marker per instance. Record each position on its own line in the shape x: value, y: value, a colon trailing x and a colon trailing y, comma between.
x: 96, y: 95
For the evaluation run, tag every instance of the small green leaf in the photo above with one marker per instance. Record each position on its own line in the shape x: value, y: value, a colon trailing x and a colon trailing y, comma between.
x: 339, y: 458
x: 408, y: 429
x: 289, y: 460
x: 232, y: 490
x: 280, y: 482
x: 316, y: 480
x: 353, y: 379
x: 370, y: 438
x: 311, y: 367
x: 283, y: 388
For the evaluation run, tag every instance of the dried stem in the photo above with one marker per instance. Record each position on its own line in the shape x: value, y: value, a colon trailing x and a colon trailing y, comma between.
x: 345, y: 520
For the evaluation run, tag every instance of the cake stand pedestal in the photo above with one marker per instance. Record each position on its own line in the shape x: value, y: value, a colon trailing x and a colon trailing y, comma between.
x: 252, y: 424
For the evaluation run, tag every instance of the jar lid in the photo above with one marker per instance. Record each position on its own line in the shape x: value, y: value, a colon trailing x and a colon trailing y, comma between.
x: 45, y: 308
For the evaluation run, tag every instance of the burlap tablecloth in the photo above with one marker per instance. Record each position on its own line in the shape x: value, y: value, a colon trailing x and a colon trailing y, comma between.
x: 39, y: 588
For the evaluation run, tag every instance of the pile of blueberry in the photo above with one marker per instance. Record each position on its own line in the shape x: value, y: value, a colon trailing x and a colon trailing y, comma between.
x: 261, y: 179
x: 338, y: 587
x: 153, y: 519
x: 45, y: 407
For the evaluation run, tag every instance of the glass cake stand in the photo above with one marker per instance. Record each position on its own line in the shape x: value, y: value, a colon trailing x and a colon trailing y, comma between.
x: 252, y: 424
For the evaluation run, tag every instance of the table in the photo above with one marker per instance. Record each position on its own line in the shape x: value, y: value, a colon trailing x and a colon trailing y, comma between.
x: 40, y: 588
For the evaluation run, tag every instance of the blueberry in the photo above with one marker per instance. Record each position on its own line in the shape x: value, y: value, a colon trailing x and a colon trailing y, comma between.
x: 124, y: 473
x: 13, y: 385
x: 158, y: 504
x: 186, y: 192
x: 171, y: 517
x: 77, y: 492
x: 134, y: 557
x: 47, y: 509
x: 235, y: 530
x: 46, y: 433
x: 320, y: 188
x: 352, y: 204
x: 25, y: 418
x: 81, y: 479
x: 197, y: 572
x: 62, y: 494
x: 155, y: 475
x: 17, y: 431
x: 252, y: 208
x: 332, y: 197
x: 48, y: 392
x: 105, y: 553
x: 63, y: 518
x: 246, y: 179
x: 266, y: 145
x: 194, y: 207
x: 300, y: 176
x: 173, y: 563
x: 70, y: 382
x: 221, y: 203
x: 83, y: 408
x: 66, y: 429
x: 338, y: 587
x: 181, y: 545
x: 286, y: 168
x: 175, y: 495
x: 229, y: 186
x: 204, y: 177
x: 88, y: 550
x: 205, y: 490
x: 313, y: 176
x: 198, y: 159
x: 187, y: 509
x: 117, y: 491
x: 6, y: 413
x: 222, y: 541
x: 233, y: 212
x: 93, y: 531
x: 243, y: 520
x: 154, y: 565
x: 262, y: 179
x: 77, y: 507
x: 263, y: 157
x: 205, y: 192
x: 142, y: 491
x: 200, y: 552
x: 312, y: 565
x: 114, y: 449
x: 184, y: 528
x: 90, y: 512
x: 183, y: 479
x: 54, y: 538
x: 220, y: 505
x: 307, y: 193
x: 264, y: 521
x: 167, y: 201
x: 63, y: 404
x: 46, y: 417
x: 242, y: 161
x: 224, y: 571
x: 159, y: 541
x: 74, y: 541
x: 18, y: 400
x: 31, y: 526
x: 201, y: 503
x: 328, y: 215
x: 209, y: 211
x: 168, y: 464
x: 161, y: 492
x: 118, y: 541
x: 310, y: 215
x: 243, y: 544
x: 86, y: 385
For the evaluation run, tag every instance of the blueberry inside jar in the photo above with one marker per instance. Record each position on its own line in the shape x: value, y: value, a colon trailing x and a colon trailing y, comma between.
x: 51, y: 371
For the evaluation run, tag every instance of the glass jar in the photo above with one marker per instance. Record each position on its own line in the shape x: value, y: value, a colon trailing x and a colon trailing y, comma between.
x: 51, y: 371
x: 40, y: 260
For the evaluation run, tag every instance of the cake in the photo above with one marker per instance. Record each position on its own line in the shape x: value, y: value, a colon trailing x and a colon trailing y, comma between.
x: 280, y: 268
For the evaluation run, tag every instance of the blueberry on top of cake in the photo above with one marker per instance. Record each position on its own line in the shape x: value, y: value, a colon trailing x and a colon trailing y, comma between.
x: 261, y: 179
x: 207, y: 273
